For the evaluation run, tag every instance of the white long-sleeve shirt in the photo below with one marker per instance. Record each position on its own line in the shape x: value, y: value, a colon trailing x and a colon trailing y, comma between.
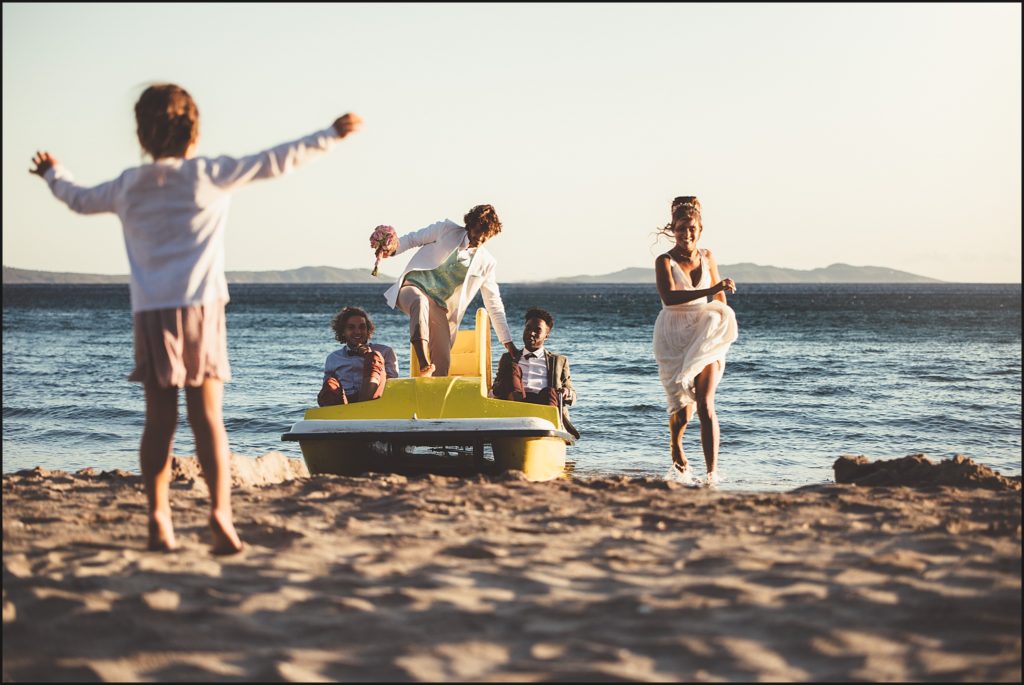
x: 174, y: 212
x: 436, y: 242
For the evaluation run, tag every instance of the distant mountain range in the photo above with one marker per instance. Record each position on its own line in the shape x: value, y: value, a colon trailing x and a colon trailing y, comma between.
x: 306, y: 274
x: 741, y: 273
x: 745, y: 272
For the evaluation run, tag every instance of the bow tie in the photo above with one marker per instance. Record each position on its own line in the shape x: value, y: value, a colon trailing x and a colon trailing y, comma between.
x: 530, y: 355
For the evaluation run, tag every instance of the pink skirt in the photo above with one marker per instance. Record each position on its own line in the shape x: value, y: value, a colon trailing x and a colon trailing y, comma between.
x: 181, y: 346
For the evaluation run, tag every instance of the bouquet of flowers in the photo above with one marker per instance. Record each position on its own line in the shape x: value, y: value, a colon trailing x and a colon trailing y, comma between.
x: 383, y: 238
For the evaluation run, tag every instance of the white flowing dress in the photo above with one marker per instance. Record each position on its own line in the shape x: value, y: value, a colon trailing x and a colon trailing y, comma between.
x: 689, y: 336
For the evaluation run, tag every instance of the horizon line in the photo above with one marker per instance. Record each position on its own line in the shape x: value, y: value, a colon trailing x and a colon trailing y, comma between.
x: 384, y: 277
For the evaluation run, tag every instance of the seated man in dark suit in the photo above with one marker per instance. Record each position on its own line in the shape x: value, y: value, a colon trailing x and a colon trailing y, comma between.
x: 538, y: 376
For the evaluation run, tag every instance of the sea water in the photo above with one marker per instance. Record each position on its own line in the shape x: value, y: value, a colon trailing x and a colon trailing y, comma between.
x: 818, y: 371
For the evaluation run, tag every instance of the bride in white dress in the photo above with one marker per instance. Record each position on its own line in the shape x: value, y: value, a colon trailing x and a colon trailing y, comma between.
x: 692, y: 334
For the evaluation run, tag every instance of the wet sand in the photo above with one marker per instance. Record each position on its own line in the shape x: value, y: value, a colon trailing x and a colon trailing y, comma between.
x: 394, y: 578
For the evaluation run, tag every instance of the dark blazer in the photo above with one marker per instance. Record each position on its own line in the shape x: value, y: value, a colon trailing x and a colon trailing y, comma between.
x: 558, y: 378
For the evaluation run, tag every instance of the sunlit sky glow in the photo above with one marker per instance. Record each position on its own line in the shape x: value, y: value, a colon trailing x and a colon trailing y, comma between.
x: 870, y: 134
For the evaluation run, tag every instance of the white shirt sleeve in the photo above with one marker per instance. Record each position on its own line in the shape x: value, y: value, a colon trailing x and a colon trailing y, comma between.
x: 424, y: 236
x: 79, y: 198
x: 230, y: 173
x: 491, y: 295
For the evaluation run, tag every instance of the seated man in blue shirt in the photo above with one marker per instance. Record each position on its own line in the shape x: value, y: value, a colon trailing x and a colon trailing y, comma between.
x: 538, y: 376
x: 358, y: 371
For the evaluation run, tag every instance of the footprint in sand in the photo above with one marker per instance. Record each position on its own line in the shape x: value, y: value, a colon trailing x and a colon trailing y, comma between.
x: 273, y: 537
x: 474, y: 552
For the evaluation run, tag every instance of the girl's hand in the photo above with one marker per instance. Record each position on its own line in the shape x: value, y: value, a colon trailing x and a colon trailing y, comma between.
x: 347, y: 123
x: 513, y: 350
x: 44, y: 161
x: 728, y: 285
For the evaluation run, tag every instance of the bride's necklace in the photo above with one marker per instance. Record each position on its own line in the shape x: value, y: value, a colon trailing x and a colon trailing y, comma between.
x: 680, y: 257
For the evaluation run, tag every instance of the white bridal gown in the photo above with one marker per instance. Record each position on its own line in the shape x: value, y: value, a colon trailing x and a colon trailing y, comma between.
x: 689, y: 336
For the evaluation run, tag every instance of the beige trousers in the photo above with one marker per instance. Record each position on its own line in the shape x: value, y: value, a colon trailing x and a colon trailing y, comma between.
x: 428, y: 322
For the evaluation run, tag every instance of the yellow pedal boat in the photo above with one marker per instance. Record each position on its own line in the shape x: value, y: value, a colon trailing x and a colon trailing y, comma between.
x: 440, y: 424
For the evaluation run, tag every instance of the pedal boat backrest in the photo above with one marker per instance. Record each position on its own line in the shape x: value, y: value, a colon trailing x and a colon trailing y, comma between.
x: 471, y: 353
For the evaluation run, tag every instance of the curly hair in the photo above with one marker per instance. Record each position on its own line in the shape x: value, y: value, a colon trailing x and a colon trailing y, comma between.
x: 167, y: 120
x: 683, y: 207
x: 342, y: 317
x: 482, y: 221
x: 542, y: 314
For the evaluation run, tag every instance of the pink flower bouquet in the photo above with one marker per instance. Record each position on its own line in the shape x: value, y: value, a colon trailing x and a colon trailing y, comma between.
x: 383, y: 239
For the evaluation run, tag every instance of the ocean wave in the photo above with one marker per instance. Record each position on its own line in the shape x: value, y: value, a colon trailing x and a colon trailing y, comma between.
x: 75, y: 411
x: 66, y: 436
x: 1008, y: 371
x: 832, y: 391
x: 260, y: 425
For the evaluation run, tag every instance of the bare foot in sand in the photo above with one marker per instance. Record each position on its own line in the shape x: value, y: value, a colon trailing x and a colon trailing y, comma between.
x: 225, y: 539
x: 161, y: 532
x: 427, y: 371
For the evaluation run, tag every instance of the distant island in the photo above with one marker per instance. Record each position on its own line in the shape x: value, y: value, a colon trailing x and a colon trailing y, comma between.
x: 742, y: 273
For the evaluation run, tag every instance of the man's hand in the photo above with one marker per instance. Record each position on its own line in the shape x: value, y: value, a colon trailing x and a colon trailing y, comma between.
x: 44, y: 161
x: 347, y: 123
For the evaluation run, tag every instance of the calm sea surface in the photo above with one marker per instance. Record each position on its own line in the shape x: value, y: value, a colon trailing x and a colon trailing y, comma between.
x: 818, y: 371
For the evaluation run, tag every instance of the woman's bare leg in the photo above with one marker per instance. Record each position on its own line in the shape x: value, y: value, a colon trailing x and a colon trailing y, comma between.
x: 155, y: 463
x: 207, y: 421
x: 705, y: 385
x: 677, y: 426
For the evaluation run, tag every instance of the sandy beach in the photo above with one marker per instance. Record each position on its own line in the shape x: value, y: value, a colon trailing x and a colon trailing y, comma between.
x: 425, y: 578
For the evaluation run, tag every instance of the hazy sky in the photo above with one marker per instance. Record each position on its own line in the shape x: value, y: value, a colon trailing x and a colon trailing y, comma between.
x: 870, y: 134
